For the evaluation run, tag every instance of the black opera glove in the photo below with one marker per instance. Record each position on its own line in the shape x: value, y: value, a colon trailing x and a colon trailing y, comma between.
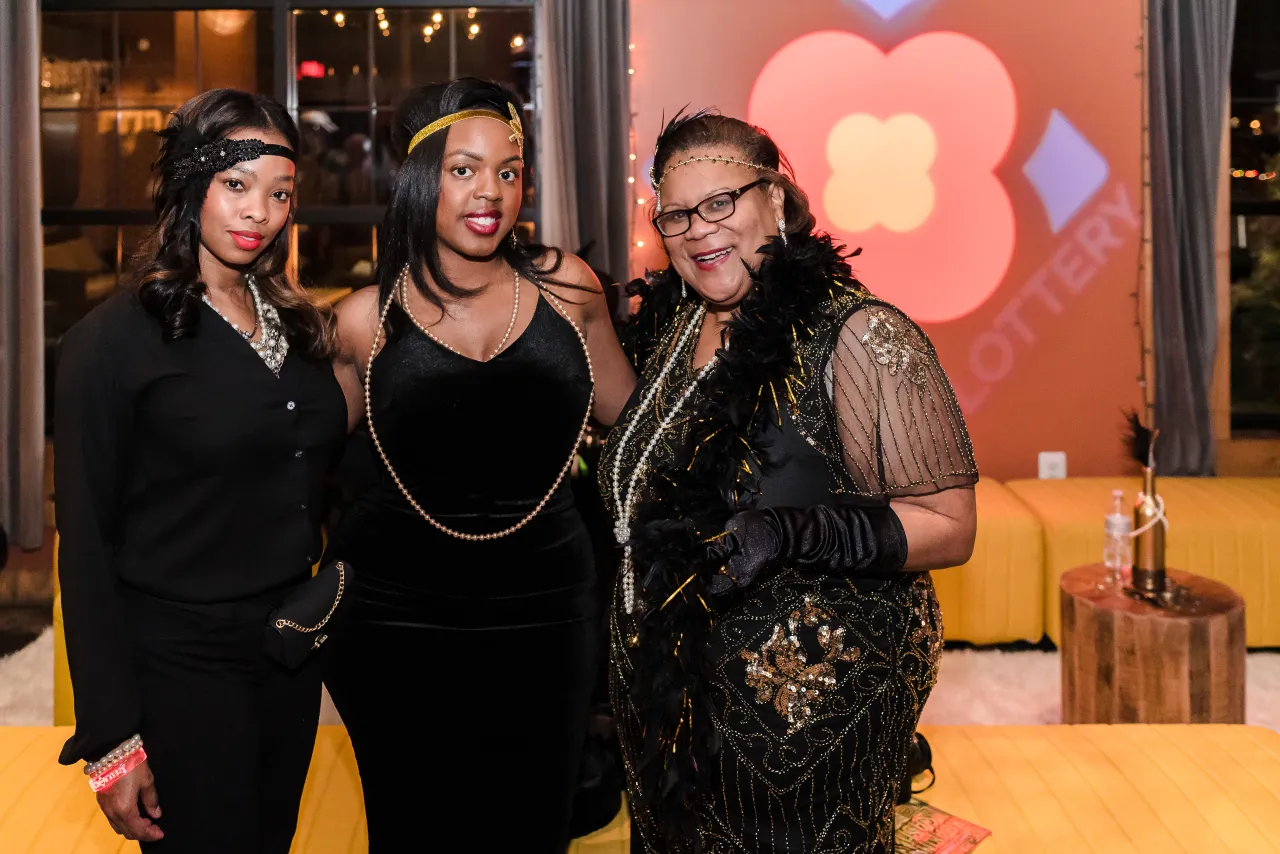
x: 848, y: 540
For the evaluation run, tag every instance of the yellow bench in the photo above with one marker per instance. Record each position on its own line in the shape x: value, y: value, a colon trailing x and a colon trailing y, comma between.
x: 1113, y: 789
x: 1223, y: 528
x: 998, y: 596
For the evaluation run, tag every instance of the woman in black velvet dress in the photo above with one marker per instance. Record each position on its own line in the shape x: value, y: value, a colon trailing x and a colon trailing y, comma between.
x: 792, y: 465
x: 464, y: 670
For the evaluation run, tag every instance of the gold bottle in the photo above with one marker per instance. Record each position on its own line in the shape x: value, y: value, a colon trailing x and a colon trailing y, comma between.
x: 1148, y: 547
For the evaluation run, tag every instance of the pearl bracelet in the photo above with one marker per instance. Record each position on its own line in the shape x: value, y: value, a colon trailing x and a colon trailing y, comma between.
x: 124, y: 751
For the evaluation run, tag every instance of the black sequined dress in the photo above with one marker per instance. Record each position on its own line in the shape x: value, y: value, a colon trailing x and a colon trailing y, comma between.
x: 817, y: 682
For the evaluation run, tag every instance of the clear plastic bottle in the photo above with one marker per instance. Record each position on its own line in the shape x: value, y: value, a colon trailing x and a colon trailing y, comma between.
x: 1117, y: 554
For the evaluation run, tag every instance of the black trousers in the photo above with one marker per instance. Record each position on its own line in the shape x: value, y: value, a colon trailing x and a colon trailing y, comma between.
x: 228, y: 732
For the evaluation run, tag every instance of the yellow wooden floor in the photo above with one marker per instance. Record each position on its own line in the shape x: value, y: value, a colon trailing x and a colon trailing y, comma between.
x: 1202, y: 789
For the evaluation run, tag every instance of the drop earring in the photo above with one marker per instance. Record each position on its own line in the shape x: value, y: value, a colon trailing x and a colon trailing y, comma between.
x: 782, y: 230
x: 684, y: 293
x: 514, y: 242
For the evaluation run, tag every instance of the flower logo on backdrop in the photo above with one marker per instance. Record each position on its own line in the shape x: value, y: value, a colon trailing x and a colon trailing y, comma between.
x: 901, y: 149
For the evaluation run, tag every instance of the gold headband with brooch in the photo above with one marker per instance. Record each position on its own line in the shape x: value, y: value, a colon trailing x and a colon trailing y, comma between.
x: 657, y: 180
x: 517, y: 129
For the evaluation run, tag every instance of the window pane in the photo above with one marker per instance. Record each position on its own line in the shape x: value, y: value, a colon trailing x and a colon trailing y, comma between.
x: 336, y: 163
x: 236, y: 46
x: 75, y: 65
x: 494, y: 45
x: 139, y: 146
x: 333, y: 57
x: 1255, y: 324
x: 386, y: 158
x: 1255, y: 148
x: 335, y: 256
x: 78, y: 151
x: 79, y: 273
x: 415, y: 52
x: 157, y: 58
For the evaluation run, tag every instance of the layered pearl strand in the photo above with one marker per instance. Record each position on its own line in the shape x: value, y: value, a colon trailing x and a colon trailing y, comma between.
x: 624, y: 502
x: 403, y: 288
x: 272, y: 346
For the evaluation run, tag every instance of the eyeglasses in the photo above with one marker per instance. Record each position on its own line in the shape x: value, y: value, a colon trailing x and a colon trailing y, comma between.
x: 719, y: 207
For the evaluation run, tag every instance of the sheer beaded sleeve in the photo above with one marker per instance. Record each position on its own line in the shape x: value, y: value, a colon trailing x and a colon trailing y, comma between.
x: 900, y: 426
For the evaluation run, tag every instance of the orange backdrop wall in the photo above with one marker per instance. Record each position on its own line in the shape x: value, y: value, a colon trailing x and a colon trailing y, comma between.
x: 986, y: 156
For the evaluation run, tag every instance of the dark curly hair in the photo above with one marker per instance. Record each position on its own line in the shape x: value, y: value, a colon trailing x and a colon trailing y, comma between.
x: 708, y: 128
x: 408, y: 232
x: 166, y: 269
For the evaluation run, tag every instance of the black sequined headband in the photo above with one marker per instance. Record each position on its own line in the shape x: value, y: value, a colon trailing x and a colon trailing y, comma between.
x: 225, y: 153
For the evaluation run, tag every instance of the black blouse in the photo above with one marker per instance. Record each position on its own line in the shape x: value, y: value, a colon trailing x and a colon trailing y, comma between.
x: 185, y: 470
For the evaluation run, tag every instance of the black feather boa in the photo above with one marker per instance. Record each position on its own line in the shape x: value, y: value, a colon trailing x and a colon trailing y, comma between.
x: 712, y: 478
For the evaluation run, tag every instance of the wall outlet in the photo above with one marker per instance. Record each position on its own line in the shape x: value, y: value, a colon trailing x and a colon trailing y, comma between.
x: 1053, y: 465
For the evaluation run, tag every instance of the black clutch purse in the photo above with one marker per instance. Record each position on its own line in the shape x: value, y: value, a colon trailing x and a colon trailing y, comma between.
x: 298, y: 626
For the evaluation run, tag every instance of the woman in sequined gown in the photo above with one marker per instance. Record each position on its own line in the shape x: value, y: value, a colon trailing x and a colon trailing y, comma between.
x: 790, y: 467
x: 464, y: 669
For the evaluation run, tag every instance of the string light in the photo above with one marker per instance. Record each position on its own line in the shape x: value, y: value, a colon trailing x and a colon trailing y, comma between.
x: 383, y: 24
x: 1255, y: 124
x: 437, y: 18
x: 471, y: 13
x: 475, y: 31
x: 639, y: 201
x: 631, y: 180
x: 633, y: 155
x: 518, y: 41
x: 1235, y: 121
x: 631, y: 71
x: 379, y: 11
x: 340, y: 19
x: 640, y: 243
x: 324, y: 12
x: 428, y: 30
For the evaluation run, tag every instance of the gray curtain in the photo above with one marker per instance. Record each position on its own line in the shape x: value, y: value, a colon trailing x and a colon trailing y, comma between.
x: 21, y: 278
x: 585, y: 126
x: 1189, y: 44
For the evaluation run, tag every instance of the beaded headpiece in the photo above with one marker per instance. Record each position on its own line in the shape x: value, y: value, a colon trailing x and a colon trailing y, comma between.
x: 517, y: 129
x: 222, y: 154
x: 658, y: 179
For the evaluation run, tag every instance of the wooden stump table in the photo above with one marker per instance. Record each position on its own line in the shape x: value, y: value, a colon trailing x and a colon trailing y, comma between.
x: 1125, y: 660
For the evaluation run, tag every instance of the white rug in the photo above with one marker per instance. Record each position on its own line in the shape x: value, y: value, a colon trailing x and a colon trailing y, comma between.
x: 26, y: 684
x: 974, y: 687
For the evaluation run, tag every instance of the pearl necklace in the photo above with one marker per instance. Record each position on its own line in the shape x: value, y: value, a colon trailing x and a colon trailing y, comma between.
x: 624, y: 504
x: 403, y: 286
x: 386, y: 461
x: 273, y: 346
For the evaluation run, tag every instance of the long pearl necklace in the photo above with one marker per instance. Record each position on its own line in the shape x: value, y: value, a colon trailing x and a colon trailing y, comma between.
x: 404, y: 490
x: 403, y: 287
x: 624, y: 502
x: 273, y: 346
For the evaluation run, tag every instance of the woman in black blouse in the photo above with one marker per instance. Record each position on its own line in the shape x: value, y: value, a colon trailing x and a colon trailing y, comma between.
x: 197, y: 415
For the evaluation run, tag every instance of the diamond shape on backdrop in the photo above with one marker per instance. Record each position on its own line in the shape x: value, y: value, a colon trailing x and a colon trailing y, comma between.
x: 1066, y: 171
x: 884, y: 8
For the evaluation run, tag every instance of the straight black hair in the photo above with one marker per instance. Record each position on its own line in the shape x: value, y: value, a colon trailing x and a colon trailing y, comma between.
x: 408, y: 234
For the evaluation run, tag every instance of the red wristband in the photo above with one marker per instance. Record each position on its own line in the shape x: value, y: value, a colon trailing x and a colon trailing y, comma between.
x: 109, y: 776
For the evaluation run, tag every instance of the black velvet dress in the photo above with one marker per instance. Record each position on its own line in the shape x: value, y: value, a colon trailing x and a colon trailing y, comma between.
x: 464, y: 668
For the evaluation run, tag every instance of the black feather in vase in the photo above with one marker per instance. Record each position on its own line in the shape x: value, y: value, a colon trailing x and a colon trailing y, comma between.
x: 1140, y: 440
